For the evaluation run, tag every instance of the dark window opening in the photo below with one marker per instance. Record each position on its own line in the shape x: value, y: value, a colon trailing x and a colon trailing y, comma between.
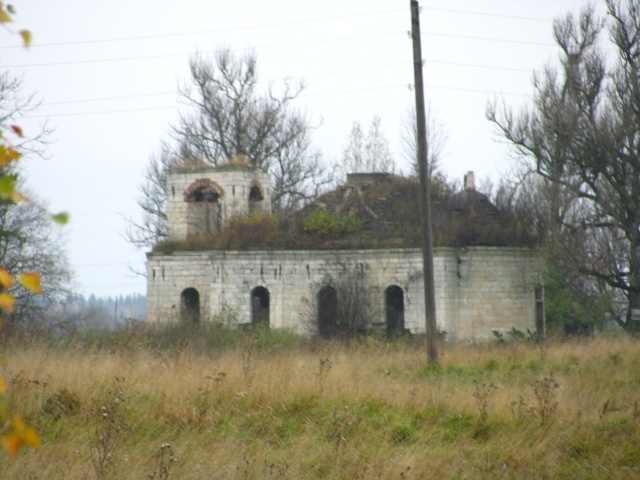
x: 256, y: 197
x: 394, y: 303
x: 540, y: 324
x: 327, y: 311
x: 255, y: 194
x: 204, y: 213
x: 205, y: 194
x: 190, y: 305
x: 260, y: 307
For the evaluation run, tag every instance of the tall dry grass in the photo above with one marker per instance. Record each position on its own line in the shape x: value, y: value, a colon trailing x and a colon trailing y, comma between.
x: 330, y: 410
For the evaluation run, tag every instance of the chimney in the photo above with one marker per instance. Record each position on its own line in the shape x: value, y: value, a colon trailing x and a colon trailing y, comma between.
x: 469, y: 183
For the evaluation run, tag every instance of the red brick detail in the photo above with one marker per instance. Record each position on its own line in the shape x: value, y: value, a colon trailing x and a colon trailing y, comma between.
x: 199, y: 184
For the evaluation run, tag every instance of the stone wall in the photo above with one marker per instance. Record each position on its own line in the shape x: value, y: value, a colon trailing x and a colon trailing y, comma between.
x: 184, y: 217
x: 477, y: 289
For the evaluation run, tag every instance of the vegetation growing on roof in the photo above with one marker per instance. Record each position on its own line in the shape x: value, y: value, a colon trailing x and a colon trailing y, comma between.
x: 369, y: 211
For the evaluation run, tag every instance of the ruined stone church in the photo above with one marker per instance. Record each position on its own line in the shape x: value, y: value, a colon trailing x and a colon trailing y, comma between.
x: 309, y: 284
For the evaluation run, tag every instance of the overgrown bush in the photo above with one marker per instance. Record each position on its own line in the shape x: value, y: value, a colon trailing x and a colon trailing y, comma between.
x: 350, y: 315
x: 62, y: 403
x: 257, y: 230
x: 570, y: 304
x: 204, y: 338
x: 324, y: 224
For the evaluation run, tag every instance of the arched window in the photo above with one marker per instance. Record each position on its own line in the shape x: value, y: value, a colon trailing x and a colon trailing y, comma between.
x: 327, y: 311
x: 394, y: 306
x: 256, y: 197
x: 204, y: 211
x: 190, y: 305
x: 260, y: 307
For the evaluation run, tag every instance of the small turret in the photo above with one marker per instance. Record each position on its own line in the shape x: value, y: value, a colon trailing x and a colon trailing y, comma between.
x: 203, y: 199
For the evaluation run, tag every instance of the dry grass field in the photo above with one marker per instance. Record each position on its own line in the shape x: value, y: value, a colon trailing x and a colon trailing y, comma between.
x: 284, y: 408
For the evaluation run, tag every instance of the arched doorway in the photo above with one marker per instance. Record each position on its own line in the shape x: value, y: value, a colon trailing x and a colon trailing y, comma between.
x: 394, y: 306
x: 327, y: 311
x: 260, y: 307
x: 190, y: 305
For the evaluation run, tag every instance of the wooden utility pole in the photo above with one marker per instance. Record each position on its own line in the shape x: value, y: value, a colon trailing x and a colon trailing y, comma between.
x: 425, y: 202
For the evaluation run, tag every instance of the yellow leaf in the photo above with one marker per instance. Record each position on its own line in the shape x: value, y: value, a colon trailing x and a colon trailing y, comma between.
x: 26, y: 37
x: 4, y: 16
x: 7, y: 302
x: 3, y: 386
x: 6, y: 279
x: 4, y: 158
x: 7, y: 184
x: 31, y: 280
x: 12, y: 443
x: 62, y: 218
x: 13, y: 154
x: 18, y: 197
x: 18, y: 424
x: 30, y: 437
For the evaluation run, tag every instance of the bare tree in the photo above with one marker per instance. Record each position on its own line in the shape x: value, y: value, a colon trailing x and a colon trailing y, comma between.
x: 31, y: 242
x: 436, y: 140
x: 226, y: 115
x: 152, y: 200
x: 15, y: 104
x: 344, y: 305
x: 581, y: 136
x: 368, y: 152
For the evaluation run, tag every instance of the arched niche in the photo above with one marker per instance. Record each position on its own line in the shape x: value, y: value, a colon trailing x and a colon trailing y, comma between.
x: 190, y: 305
x: 256, y: 197
x: 327, y: 311
x: 394, y: 307
x: 260, y: 307
x: 204, y: 210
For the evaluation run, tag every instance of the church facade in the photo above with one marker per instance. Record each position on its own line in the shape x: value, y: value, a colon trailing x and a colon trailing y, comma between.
x: 478, y: 289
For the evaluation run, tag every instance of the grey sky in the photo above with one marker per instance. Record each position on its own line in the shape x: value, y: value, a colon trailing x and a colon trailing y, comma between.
x: 107, y: 73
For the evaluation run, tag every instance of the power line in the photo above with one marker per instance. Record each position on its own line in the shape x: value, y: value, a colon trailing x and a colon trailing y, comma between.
x: 318, y: 94
x: 319, y: 74
x: 206, y: 32
x: 174, y: 55
x: 102, y: 112
x: 494, y: 15
x: 472, y: 90
x: 141, y: 95
x: 475, y: 65
x: 283, y: 45
x: 303, y: 94
x: 490, y: 39
x: 272, y: 25
x: 101, y: 99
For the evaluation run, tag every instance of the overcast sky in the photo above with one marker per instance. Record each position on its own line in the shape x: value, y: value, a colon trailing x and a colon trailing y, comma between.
x: 107, y: 74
